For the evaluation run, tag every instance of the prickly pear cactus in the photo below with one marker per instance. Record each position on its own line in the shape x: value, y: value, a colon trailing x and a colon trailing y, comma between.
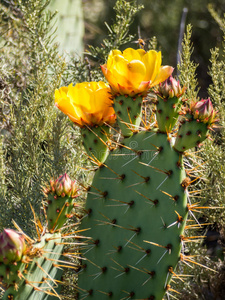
x: 136, y: 208
x: 137, y: 204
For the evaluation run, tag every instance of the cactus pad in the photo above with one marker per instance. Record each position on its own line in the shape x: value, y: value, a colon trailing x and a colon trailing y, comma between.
x: 36, y: 278
x: 136, y: 211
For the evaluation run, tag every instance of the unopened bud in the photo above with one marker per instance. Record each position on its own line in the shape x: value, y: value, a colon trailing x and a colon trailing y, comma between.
x: 12, y: 246
x: 170, y: 88
x: 64, y: 186
x: 203, y: 110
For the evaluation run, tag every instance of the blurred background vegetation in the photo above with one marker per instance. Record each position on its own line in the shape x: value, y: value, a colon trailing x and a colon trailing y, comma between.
x: 38, y: 142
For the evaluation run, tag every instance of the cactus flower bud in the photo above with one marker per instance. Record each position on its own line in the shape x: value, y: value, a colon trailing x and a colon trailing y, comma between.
x: 203, y: 110
x: 63, y: 186
x: 170, y: 88
x: 12, y: 246
x: 58, y: 188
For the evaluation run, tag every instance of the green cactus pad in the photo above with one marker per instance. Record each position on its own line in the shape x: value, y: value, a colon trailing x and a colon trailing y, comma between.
x: 167, y: 113
x: 58, y: 210
x: 128, y: 112
x: 8, y: 273
x: 32, y: 283
x: 95, y: 142
x: 190, y: 134
x: 136, y: 214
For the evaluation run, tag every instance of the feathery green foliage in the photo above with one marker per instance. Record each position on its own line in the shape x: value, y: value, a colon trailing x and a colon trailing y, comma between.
x: 37, y: 139
x: 187, y: 67
x: 206, y: 284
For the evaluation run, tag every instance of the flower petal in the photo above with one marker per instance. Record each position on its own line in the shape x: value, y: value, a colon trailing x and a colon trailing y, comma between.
x: 136, y: 72
x: 87, y: 103
x: 132, y: 54
x: 163, y: 74
x: 152, y: 61
x: 111, y: 56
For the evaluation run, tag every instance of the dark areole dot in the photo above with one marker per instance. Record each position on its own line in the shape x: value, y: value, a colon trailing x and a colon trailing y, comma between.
x: 90, y: 292
x: 131, y: 203
x: 119, y: 248
x: 156, y: 201
x: 122, y: 176
x: 105, y: 193
x: 176, y: 197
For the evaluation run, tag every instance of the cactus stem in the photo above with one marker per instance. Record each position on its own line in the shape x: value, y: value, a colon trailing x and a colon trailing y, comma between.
x: 56, y: 221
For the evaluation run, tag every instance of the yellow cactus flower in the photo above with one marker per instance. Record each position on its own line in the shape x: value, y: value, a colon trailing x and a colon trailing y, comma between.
x: 133, y: 71
x: 86, y: 103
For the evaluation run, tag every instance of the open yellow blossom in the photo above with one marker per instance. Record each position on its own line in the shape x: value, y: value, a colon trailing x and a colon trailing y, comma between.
x: 86, y: 103
x: 134, y: 72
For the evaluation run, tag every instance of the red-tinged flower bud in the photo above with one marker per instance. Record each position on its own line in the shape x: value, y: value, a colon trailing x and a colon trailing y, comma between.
x: 203, y: 110
x: 64, y: 186
x: 74, y: 189
x: 12, y: 246
x: 67, y: 184
x: 170, y: 88
x: 58, y: 188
